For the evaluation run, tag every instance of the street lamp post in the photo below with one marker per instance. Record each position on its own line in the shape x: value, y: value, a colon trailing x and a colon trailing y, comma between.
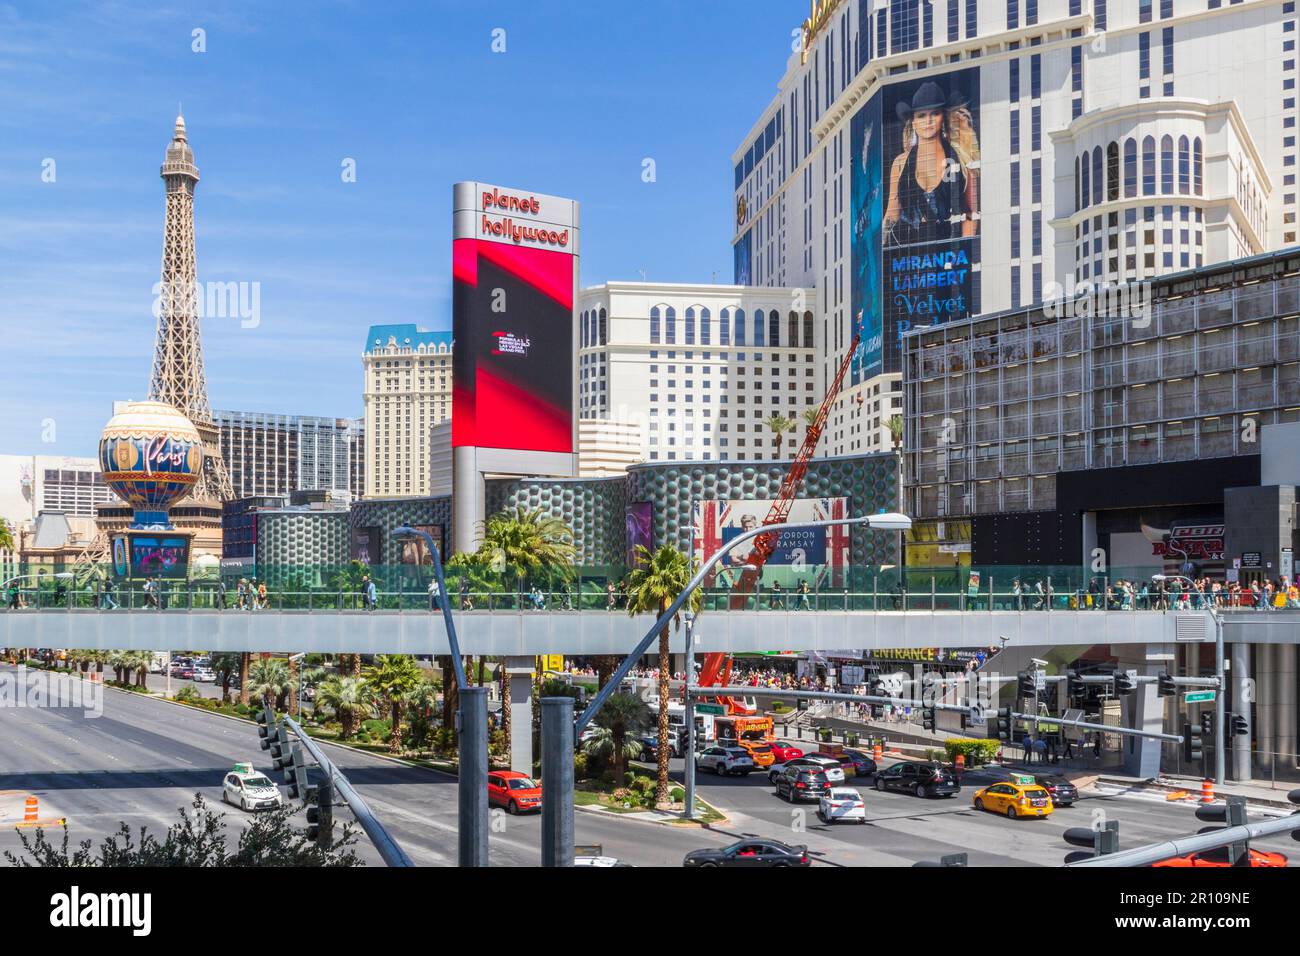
x: 689, y: 708
x: 471, y: 720
x: 1220, y: 707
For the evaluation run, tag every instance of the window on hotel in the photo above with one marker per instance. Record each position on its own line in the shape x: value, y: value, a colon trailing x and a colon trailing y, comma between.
x: 1166, y: 164
x: 690, y: 326
x: 670, y: 315
x: 706, y: 333
x: 724, y: 327
x: 654, y: 325
x: 1148, y: 166
x: 1130, y: 168
x: 740, y: 328
x: 758, y: 326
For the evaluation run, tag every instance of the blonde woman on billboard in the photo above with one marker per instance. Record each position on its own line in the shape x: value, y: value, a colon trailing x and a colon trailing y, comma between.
x: 934, y: 181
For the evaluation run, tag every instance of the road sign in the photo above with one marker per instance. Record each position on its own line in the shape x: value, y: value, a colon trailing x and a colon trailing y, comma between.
x: 1199, y: 696
x: 717, y: 709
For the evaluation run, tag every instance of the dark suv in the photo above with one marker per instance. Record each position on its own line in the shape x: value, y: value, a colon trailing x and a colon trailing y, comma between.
x: 801, y: 783
x: 922, y: 779
x: 1063, y: 792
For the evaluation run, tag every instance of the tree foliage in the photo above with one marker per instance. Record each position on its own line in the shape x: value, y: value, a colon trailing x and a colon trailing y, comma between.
x: 198, y: 840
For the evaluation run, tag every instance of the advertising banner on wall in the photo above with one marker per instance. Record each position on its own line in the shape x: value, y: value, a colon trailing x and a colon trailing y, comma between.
x: 821, y: 552
x: 915, y: 202
x: 743, y: 259
x: 415, y: 551
x: 514, y: 267
x: 640, y: 529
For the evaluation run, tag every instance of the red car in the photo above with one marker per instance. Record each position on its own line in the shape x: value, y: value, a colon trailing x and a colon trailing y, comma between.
x: 783, y: 753
x: 513, y: 790
x: 1219, y: 857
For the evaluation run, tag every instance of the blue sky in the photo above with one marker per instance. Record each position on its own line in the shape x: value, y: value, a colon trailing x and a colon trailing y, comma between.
x: 284, y: 92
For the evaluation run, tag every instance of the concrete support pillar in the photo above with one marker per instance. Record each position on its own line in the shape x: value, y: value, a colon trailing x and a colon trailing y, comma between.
x: 468, y: 499
x: 1144, y: 709
x: 521, y: 713
x: 1285, y: 656
x: 1242, y: 694
x: 1089, y: 538
x: 1265, y: 697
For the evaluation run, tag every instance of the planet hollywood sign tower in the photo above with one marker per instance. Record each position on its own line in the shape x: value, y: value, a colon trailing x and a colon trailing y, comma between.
x: 178, y: 378
x: 515, y: 272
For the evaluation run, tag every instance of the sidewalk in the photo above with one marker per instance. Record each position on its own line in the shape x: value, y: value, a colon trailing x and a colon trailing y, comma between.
x: 1259, y: 795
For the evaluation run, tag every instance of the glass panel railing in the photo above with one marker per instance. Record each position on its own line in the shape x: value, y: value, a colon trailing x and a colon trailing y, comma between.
x: 405, y: 588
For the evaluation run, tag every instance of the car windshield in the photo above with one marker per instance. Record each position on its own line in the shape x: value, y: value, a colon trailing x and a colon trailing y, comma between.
x: 521, y: 783
x: 257, y: 782
x: 764, y: 749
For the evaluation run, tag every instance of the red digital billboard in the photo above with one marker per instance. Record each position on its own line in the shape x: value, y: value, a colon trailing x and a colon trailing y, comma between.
x: 513, y: 266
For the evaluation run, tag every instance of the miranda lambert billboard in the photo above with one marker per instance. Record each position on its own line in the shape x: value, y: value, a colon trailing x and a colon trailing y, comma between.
x: 915, y: 203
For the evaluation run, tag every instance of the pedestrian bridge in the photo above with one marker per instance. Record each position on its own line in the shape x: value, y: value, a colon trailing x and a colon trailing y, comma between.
x: 512, y: 633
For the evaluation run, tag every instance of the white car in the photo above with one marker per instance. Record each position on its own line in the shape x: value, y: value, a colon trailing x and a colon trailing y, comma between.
x: 249, y: 789
x: 833, y: 769
x: 841, y: 803
x: 725, y: 760
x: 203, y: 675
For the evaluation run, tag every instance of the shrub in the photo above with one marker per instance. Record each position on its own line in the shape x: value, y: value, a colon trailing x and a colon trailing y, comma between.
x: 643, y: 784
x: 780, y: 707
x: 976, y: 751
x: 188, y: 694
x: 934, y: 754
x: 379, y: 729
x: 677, y: 795
x: 624, y: 795
x: 580, y: 766
x: 824, y: 734
x: 243, y: 709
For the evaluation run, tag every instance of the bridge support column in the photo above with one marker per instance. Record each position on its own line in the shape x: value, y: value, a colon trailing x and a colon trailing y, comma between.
x: 1242, y: 695
x: 1144, y: 709
x: 521, y: 713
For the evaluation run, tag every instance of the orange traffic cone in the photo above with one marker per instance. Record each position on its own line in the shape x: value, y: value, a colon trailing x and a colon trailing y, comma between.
x: 31, y: 810
x: 1207, y: 791
x: 877, y: 753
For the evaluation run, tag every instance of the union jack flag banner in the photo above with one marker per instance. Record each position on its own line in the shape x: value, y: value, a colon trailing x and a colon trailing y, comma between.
x: 818, y: 556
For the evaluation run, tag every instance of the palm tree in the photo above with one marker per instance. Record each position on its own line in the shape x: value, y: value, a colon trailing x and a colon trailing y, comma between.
x: 654, y: 584
x: 347, y: 698
x: 623, y: 717
x: 896, y: 430
x: 779, y: 425
x: 522, y: 542
x: 270, y: 678
x: 226, y: 665
x: 393, y: 678
x: 293, y: 680
x: 245, y: 661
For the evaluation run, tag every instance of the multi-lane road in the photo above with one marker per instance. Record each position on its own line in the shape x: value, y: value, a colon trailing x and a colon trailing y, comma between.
x: 142, y: 759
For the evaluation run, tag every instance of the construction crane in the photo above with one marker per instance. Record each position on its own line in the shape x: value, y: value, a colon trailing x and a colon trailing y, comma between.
x: 716, y: 671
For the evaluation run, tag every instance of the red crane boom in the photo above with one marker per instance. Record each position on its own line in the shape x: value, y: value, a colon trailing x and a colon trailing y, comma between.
x: 717, y: 667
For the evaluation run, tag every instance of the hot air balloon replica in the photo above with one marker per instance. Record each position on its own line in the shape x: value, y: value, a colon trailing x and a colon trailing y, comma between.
x: 151, y: 456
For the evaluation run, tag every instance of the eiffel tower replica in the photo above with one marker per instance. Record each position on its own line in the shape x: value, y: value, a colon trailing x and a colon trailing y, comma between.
x: 178, y: 377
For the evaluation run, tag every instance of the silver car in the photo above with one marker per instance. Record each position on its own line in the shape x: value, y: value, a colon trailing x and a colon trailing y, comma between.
x: 725, y: 760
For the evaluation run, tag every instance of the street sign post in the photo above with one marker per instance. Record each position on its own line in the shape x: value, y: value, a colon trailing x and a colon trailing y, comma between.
x: 715, y: 709
x: 1199, y: 696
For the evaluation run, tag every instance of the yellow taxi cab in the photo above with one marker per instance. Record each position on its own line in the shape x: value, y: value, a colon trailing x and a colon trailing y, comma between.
x: 760, y: 751
x: 1020, y: 796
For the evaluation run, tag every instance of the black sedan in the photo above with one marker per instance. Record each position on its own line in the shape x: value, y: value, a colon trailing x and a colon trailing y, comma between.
x: 1063, y: 792
x: 863, y: 766
x: 750, y: 853
x: 922, y: 779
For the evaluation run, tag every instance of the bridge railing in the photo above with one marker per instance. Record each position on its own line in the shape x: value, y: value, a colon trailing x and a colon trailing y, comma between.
x: 405, y: 588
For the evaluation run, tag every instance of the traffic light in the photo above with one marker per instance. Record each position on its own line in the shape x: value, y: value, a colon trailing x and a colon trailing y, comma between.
x: 1075, y: 687
x: 928, y: 715
x: 1165, y: 686
x: 267, y: 729
x: 1240, y: 726
x: 1207, y: 725
x: 320, y: 813
x: 1193, y: 750
x: 1004, y: 723
x: 1027, y: 686
x: 1100, y: 841
x: 295, y: 772
x: 801, y: 703
x: 1124, y: 683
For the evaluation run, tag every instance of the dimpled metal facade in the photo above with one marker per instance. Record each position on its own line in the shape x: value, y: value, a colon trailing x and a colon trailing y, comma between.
x: 869, y: 482
x: 389, y: 513
x: 595, y: 507
x: 302, y: 540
